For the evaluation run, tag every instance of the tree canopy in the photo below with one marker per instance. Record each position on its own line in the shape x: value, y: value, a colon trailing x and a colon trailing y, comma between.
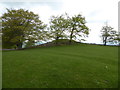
x: 20, y: 25
x: 77, y: 27
x: 64, y: 26
x: 58, y: 27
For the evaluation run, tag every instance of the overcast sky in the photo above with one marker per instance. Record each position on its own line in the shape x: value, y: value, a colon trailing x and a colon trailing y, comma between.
x: 96, y: 12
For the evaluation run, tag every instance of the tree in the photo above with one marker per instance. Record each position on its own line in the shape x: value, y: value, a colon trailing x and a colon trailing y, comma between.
x: 58, y: 26
x: 108, y: 34
x: 77, y: 27
x: 20, y: 25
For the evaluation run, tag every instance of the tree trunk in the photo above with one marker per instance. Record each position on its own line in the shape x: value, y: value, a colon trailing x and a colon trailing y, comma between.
x: 56, y: 41
x: 19, y: 46
x: 71, y: 36
x: 105, y: 41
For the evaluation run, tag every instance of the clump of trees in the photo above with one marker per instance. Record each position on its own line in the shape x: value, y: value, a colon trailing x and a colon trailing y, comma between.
x: 74, y: 27
x: 24, y: 27
x: 21, y: 27
x: 109, y: 35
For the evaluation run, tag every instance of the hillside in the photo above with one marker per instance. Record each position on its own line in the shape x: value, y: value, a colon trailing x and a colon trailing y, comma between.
x: 70, y: 66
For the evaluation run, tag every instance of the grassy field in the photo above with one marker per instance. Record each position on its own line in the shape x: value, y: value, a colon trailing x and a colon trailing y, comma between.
x: 74, y: 66
x: 0, y: 69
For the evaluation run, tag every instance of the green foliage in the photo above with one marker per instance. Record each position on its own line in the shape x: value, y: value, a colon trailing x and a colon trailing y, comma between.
x: 20, y: 25
x: 64, y: 26
x: 58, y: 25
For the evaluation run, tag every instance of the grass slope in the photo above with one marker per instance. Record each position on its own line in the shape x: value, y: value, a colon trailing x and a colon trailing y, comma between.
x: 74, y: 66
x: 0, y: 69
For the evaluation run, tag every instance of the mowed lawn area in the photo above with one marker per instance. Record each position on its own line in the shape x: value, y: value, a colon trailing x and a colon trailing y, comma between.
x: 70, y: 66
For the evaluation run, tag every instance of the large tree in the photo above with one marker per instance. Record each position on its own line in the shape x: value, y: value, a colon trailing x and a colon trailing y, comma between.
x: 58, y: 26
x: 109, y: 35
x: 20, y: 25
x: 77, y: 27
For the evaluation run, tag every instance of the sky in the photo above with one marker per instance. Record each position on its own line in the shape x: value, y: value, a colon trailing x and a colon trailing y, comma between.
x: 96, y: 12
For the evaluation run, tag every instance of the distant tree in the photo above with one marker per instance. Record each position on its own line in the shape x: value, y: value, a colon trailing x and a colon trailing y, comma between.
x: 20, y: 25
x: 58, y: 26
x: 109, y: 35
x: 77, y: 27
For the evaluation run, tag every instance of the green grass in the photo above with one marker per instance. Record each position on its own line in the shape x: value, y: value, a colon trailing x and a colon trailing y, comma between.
x: 74, y: 66
x: 0, y: 69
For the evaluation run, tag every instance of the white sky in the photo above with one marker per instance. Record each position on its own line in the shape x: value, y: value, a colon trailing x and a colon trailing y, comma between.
x: 96, y: 12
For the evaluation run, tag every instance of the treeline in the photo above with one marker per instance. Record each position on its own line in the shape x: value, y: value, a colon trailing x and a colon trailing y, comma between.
x: 24, y: 27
